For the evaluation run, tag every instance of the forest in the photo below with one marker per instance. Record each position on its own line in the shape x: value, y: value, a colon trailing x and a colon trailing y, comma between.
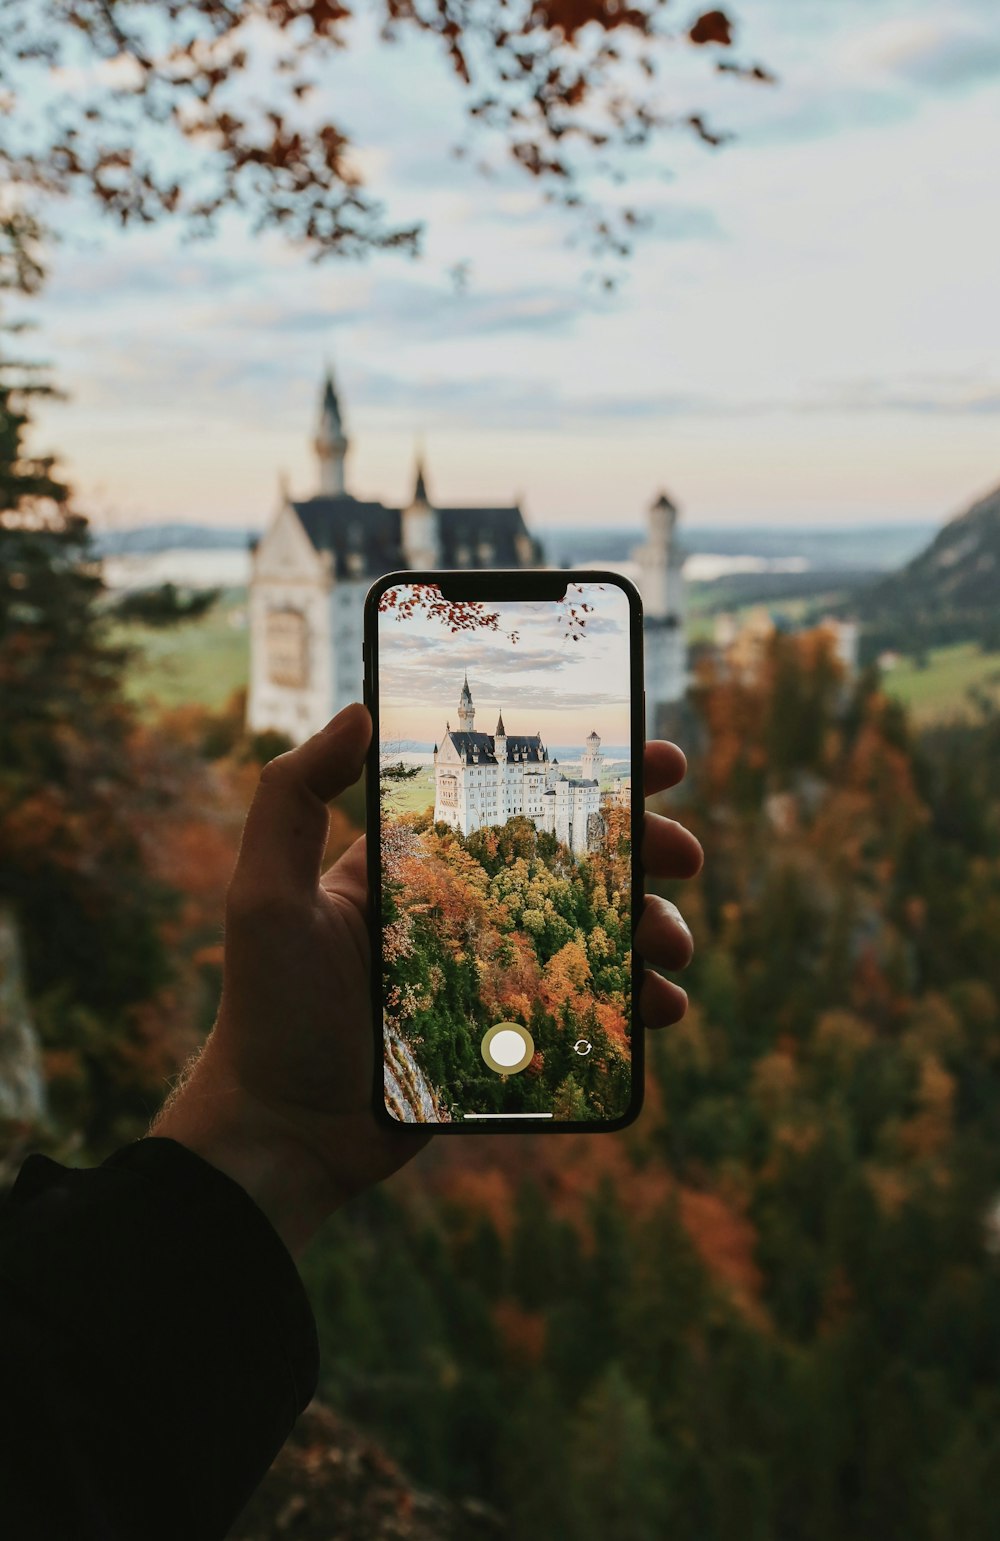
x: 771, y: 1307
x: 506, y: 924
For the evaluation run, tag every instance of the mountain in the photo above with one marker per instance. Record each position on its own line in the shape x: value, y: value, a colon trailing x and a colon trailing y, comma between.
x: 950, y: 592
x: 870, y: 549
x: 147, y: 539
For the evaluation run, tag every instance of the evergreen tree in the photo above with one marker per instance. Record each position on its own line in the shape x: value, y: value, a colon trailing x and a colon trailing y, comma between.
x: 71, y: 806
x: 616, y: 1466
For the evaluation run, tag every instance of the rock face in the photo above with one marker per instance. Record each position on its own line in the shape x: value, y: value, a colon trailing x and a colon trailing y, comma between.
x: 330, y: 1483
x: 409, y: 1091
x: 22, y: 1086
x: 951, y: 591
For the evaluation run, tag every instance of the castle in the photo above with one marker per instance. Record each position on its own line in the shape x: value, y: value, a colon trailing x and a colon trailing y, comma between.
x: 484, y: 779
x: 314, y: 564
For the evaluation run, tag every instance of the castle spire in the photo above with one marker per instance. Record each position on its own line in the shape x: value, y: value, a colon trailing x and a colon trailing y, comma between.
x: 421, y: 535
x: 501, y: 731
x: 466, y: 710
x: 420, y: 487
x: 331, y: 441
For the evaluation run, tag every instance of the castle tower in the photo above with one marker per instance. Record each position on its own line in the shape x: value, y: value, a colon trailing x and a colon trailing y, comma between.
x: 500, y: 741
x: 661, y: 580
x: 660, y: 557
x: 420, y: 527
x: 466, y: 710
x: 330, y: 443
x: 593, y: 760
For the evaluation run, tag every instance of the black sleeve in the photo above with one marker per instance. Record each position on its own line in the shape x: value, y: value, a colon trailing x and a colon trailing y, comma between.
x: 156, y: 1347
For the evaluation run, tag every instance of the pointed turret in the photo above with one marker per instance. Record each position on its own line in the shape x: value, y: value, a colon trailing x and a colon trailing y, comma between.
x: 662, y: 521
x: 665, y: 507
x: 331, y: 442
x: 501, y: 731
x: 466, y: 710
x: 421, y: 544
x: 331, y: 406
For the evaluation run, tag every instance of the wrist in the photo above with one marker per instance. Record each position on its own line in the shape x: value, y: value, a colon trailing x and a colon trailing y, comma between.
x: 247, y: 1141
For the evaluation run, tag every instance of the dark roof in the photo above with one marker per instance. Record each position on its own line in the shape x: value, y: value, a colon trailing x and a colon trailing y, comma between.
x: 525, y: 744
x: 420, y: 490
x: 483, y: 744
x: 349, y: 528
x: 470, y: 527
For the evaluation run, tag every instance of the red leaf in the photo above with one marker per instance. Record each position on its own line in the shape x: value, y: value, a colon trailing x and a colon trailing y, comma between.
x: 713, y: 27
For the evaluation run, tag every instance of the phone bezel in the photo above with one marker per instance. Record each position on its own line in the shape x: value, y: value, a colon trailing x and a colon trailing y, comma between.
x: 499, y: 584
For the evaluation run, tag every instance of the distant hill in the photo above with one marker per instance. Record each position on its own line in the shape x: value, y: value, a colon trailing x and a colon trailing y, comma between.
x: 862, y: 549
x: 868, y: 550
x: 149, y: 539
x: 950, y: 592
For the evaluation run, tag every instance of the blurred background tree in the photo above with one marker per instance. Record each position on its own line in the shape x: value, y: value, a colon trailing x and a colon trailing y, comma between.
x: 71, y: 864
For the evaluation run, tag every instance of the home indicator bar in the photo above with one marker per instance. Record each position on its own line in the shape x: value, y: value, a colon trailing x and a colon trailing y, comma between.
x: 506, y: 1115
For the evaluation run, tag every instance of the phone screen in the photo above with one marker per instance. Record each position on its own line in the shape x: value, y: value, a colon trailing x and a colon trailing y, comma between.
x: 506, y: 734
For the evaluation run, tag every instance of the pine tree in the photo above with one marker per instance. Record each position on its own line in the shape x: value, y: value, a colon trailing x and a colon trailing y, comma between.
x: 71, y: 806
x: 616, y: 1466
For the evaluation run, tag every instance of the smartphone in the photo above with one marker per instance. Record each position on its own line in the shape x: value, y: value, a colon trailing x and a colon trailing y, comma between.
x: 505, y: 805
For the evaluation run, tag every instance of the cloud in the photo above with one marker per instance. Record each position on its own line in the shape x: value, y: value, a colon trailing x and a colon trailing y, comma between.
x: 921, y: 395
x: 438, y: 314
x: 682, y: 222
x: 821, y: 113
x: 474, y: 652
x: 943, y: 56
x: 521, y: 706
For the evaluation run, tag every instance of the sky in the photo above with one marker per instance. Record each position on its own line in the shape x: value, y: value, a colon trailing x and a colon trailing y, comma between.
x: 543, y: 682
x: 809, y: 333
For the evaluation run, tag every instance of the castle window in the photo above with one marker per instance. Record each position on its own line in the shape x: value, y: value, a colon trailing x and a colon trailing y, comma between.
x: 448, y: 792
x: 287, y: 648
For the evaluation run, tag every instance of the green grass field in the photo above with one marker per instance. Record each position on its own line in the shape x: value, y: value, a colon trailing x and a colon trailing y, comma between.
x: 796, y: 610
x: 196, y: 663
x: 416, y: 795
x: 941, y: 691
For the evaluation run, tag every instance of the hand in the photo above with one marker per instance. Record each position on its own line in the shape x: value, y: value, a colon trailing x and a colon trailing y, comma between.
x: 669, y: 850
x: 281, y: 1094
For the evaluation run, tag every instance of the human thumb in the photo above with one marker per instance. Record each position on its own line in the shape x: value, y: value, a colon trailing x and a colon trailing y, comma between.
x: 284, y: 837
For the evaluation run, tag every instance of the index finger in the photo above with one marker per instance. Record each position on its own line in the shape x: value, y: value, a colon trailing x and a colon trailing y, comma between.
x: 664, y: 766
